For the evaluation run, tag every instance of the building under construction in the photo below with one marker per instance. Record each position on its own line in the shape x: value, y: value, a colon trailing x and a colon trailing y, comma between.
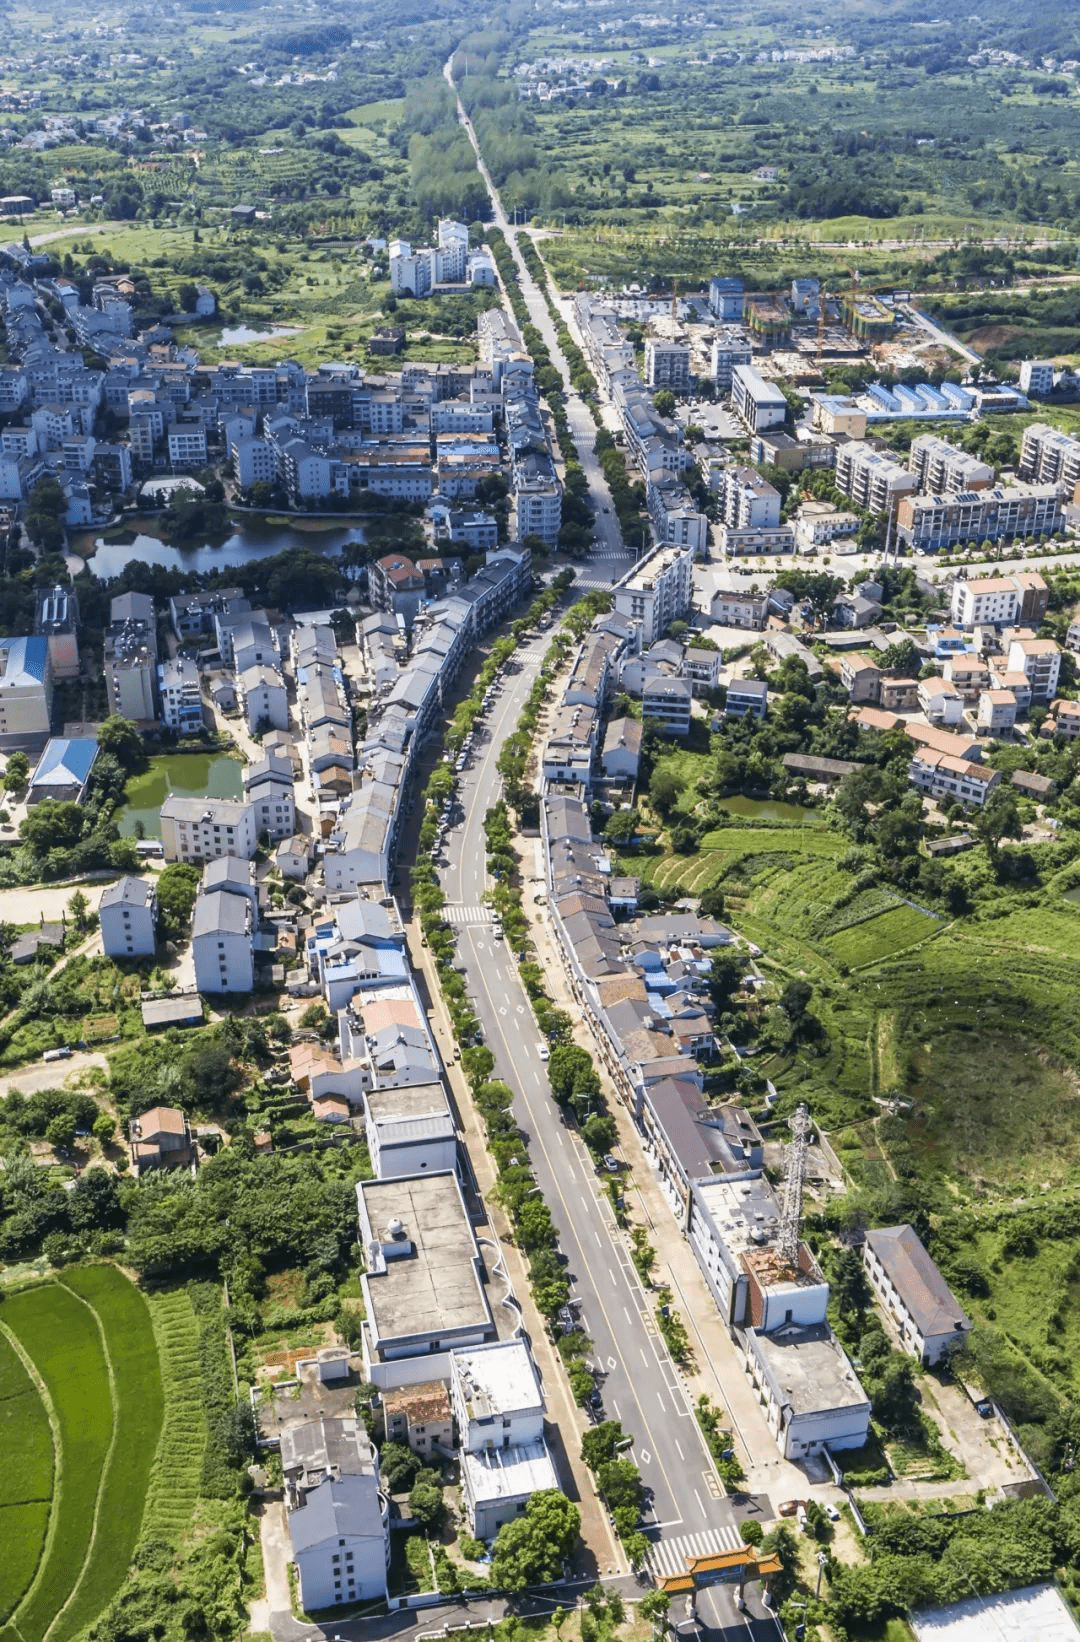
x: 774, y: 1297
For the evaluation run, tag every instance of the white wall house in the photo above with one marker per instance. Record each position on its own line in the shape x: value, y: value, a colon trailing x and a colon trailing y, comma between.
x: 202, y: 829
x: 922, y: 1308
x: 127, y: 913
x: 337, y: 1516
x: 222, y: 943
x: 499, y: 1409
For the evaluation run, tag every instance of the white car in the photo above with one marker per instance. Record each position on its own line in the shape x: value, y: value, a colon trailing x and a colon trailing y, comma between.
x: 544, y: 1052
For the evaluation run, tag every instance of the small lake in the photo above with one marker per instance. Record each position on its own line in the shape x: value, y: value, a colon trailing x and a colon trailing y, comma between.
x: 238, y: 336
x: 766, y: 809
x: 191, y: 775
x: 252, y: 539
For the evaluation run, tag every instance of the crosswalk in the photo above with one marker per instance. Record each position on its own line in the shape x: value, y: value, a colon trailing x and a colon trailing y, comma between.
x: 467, y: 914
x: 668, y: 1555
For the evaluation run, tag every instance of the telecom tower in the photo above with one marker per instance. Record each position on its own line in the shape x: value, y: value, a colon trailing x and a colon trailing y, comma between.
x: 791, y: 1214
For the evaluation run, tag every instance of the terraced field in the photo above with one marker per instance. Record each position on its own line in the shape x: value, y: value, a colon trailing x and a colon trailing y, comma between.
x: 82, y: 1405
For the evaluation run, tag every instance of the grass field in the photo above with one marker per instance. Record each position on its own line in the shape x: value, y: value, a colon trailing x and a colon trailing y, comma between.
x: 90, y: 1340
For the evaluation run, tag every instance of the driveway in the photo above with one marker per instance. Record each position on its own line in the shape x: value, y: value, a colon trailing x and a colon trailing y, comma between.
x: 56, y: 1074
x: 29, y: 906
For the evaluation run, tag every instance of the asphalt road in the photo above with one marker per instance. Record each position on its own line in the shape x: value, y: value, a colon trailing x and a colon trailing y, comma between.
x: 639, y: 1383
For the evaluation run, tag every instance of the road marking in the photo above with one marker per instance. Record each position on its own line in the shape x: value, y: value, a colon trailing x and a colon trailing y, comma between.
x: 645, y: 1457
x: 596, y: 1234
x: 678, y: 1450
x: 626, y: 1314
x: 644, y: 1359
x: 700, y: 1506
x: 669, y: 1556
x: 660, y: 1400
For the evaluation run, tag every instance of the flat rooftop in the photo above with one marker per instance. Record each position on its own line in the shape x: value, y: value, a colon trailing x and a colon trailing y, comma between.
x: 510, y: 1473
x: 433, y: 1287
x: 807, y: 1369
x: 1035, y: 1614
x: 743, y: 1212
x: 416, y: 1100
x: 497, y: 1379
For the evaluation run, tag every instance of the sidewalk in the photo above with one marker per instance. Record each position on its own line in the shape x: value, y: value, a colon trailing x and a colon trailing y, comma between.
x: 716, y: 1368
x: 569, y: 1419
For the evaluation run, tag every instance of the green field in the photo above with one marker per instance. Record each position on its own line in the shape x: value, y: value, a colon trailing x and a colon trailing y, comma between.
x: 26, y: 1480
x: 90, y: 1340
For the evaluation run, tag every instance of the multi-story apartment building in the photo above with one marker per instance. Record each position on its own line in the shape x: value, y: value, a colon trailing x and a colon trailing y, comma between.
x: 222, y: 944
x: 204, y: 829
x: 181, y: 695
x: 758, y: 403
x: 999, y: 601
x: 667, y: 364
x: 1049, y: 457
x: 1037, y: 376
x: 944, y: 776
x: 727, y: 298
x: 730, y: 347
x: 939, y: 466
x: 127, y: 913
x: 747, y: 501
x: 1040, y: 662
x: 657, y: 592
x: 872, y: 478
x: 929, y: 522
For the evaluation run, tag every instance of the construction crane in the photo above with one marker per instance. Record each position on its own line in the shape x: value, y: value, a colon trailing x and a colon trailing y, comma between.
x: 791, y: 1214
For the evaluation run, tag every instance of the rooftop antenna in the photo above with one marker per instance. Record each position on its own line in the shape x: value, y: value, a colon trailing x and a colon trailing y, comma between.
x: 791, y: 1214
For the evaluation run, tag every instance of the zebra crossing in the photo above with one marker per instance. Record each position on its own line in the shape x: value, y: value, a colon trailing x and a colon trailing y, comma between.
x: 467, y: 914
x: 668, y: 1556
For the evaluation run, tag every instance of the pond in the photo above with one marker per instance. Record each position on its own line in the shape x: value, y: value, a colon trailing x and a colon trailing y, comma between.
x: 192, y: 775
x: 767, y: 809
x: 255, y: 538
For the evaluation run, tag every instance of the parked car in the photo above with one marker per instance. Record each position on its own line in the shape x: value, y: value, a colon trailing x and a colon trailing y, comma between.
x: 544, y: 1052
x: 57, y: 1054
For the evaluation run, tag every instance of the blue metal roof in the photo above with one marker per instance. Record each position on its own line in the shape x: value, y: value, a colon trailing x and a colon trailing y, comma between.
x: 65, y: 762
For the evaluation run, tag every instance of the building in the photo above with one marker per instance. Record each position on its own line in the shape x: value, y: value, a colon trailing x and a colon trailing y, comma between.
x: 337, y: 1516
x: 1040, y: 662
x: 657, y: 592
x: 58, y: 621
x: 620, y: 755
x: 1048, y: 457
x: 410, y: 1131
x: 747, y: 696
x: 181, y: 695
x: 985, y: 601
x: 734, y: 608
x: 161, y: 1139
x: 747, y: 501
x: 931, y: 521
x: 424, y: 1288
x: 917, y: 1300
x: 396, y: 586
x: 811, y: 1395
x: 861, y: 678
x: 939, y: 466
x: 726, y: 299
x: 222, y: 942
x: 1036, y: 376
x: 131, y: 658
x: 947, y: 778
x: 268, y: 785
x: 499, y: 1409
x: 63, y: 771
x: 872, y: 478
x: 940, y: 700
x: 996, y: 711
x: 26, y: 691
x: 420, y: 1417
x: 758, y: 403
x: 730, y: 347
x: 667, y: 364
x: 264, y: 698
x: 202, y: 829
x: 668, y: 701
x: 127, y: 913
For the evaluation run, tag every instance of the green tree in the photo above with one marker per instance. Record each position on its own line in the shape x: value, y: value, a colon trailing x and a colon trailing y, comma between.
x: 725, y: 976
x: 17, y: 773
x: 602, y: 1442
x: 398, y: 1466
x: 119, y: 737
x: 849, y: 1286
x: 54, y: 824
x: 426, y: 1500
x: 104, y: 1129
x: 664, y: 790
x: 532, y: 1549
x: 999, y: 818
x: 60, y: 1131
x: 177, y: 888
x: 654, y: 1608
x: 664, y: 402
x: 711, y: 902
x: 79, y: 909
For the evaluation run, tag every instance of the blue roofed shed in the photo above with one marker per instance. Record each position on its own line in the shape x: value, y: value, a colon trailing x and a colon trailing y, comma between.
x: 63, y: 769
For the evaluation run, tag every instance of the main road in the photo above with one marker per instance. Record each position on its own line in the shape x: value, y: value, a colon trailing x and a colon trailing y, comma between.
x: 640, y: 1385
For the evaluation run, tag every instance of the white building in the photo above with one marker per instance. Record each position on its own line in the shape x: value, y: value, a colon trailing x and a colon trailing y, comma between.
x: 1036, y: 376
x: 668, y: 701
x: 203, y: 829
x: 657, y: 592
x: 939, y: 466
x: 338, y: 1518
x: 667, y: 364
x: 1040, y: 662
x: 181, y: 695
x: 127, y: 913
x: 922, y: 1308
x: 499, y: 1409
x: 410, y: 1131
x: 222, y: 942
x: 872, y: 478
x: 747, y: 501
x: 985, y: 601
x: 268, y: 785
x: 729, y: 348
x: 812, y: 1397
x: 945, y: 776
x: 758, y: 403
x: 264, y: 698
